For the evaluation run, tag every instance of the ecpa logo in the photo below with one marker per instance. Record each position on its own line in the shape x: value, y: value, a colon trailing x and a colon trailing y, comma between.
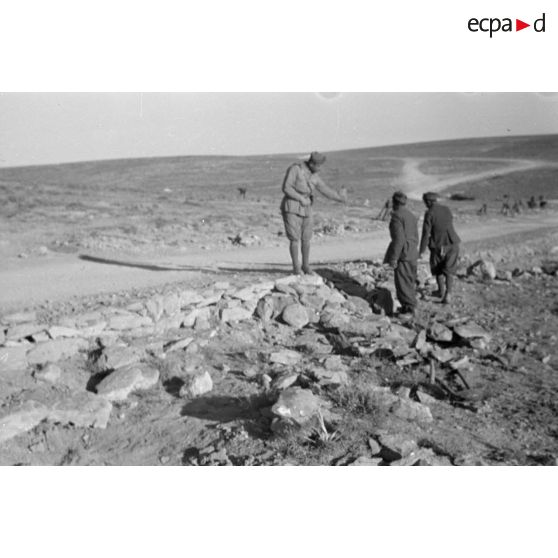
x: 492, y: 25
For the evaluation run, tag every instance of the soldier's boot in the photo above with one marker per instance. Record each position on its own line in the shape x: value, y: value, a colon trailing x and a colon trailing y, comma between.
x: 306, y: 257
x: 294, y: 249
x: 441, y: 292
x: 449, y: 287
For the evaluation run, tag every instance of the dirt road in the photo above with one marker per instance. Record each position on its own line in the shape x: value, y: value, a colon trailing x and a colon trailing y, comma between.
x: 60, y: 277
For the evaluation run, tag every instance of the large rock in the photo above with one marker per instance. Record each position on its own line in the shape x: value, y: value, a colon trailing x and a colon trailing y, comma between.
x: 297, y: 405
x: 120, y: 383
x: 55, y: 350
x: 265, y: 309
x: 21, y: 419
x: 358, y: 305
x: 472, y: 331
x: 117, y: 356
x: 440, y: 333
x: 313, y: 301
x: 196, y: 385
x: 82, y: 409
x: 295, y: 315
x: 121, y: 322
x: 286, y: 357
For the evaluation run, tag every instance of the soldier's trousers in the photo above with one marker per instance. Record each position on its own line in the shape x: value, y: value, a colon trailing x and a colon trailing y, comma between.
x: 405, y: 276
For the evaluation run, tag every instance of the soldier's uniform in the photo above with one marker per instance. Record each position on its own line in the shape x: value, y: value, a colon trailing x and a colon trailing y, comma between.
x: 402, y: 254
x: 439, y: 235
x: 297, y: 218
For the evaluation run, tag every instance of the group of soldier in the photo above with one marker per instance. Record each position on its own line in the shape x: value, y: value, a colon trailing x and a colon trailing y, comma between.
x: 300, y: 184
x: 510, y: 209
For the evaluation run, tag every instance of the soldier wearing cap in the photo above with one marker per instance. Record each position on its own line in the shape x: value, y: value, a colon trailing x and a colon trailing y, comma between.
x: 402, y: 252
x: 299, y: 186
x: 439, y: 235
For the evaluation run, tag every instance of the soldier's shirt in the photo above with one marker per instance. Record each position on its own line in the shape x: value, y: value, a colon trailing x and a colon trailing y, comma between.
x: 437, y: 229
x: 403, y: 229
x: 301, y: 180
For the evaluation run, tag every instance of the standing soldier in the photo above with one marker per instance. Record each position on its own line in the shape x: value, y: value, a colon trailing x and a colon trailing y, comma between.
x: 402, y: 253
x: 299, y: 185
x: 439, y: 235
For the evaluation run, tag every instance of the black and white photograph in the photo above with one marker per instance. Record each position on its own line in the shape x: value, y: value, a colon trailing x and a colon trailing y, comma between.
x: 278, y: 279
x: 269, y: 279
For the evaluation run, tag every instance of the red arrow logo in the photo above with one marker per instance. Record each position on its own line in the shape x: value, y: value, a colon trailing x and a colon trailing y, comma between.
x: 519, y: 25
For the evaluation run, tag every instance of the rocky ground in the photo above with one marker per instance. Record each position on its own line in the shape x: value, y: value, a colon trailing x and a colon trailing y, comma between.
x: 268, y: 370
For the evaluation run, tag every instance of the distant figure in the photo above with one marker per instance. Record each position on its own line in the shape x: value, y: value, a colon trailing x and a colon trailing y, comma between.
x: 402, y: 253
x: 506, y: 209
x: 439, y: 235
x: 515, y: 210
x: 542, y: 202
x: 385, y: 212
x: 242, y: 193
x: 483, y: 210
x: 299, y: 187
x: 366, y: 202
x: 532, y: 203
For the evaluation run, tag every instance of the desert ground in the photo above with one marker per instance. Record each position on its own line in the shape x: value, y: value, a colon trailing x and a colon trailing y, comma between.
x: 148, y: 316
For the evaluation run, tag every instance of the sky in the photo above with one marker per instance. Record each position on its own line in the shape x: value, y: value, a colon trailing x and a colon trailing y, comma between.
x: 45, y: 128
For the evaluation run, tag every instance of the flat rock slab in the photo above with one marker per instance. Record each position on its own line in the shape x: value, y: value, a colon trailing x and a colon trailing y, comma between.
x: 21, y: 419
x: 82, y: 409
x: 235, y: 314
x: 120, y: 383
x: 118, y: 357
x: 55, y: 350
x: 286, y: 357
x: 178, y: 345
x: 472, y: 331
x: 131, y: 321
x: 21, y: 331
x: 60, y: 331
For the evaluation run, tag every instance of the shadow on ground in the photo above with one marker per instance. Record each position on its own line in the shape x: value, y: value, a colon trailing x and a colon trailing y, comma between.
x: 148, y: 266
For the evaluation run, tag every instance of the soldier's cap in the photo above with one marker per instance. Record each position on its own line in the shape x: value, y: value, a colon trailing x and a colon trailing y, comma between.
x: 399, y: 198
x: 430, y: 196
x: 317, y: 158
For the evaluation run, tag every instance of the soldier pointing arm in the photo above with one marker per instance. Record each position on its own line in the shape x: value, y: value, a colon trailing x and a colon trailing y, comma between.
x: 299, y: 186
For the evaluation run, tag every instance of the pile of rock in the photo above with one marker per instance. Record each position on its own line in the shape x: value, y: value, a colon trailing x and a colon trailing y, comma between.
x: 307, y: 333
